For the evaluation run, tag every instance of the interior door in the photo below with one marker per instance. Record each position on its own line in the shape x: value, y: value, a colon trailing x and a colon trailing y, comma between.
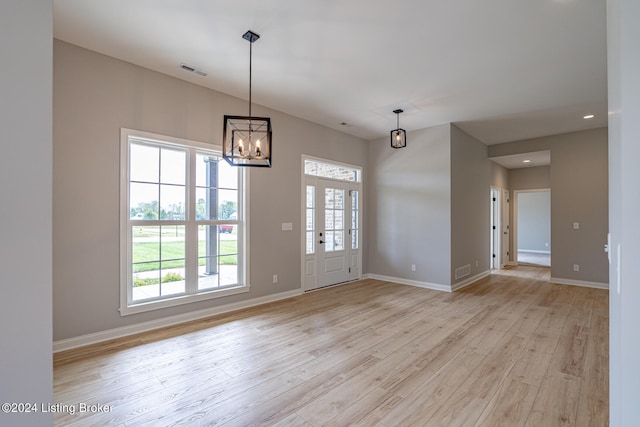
x: 494, y: 252
x: 332, y: 233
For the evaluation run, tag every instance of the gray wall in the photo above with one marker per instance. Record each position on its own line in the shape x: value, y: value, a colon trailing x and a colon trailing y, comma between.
x: 429, y: 206
x: 499, y: 175
x: 533, y: 178
x: 94, y: 96
x: 579, y: 193
x: 623, y: 34
x: 409, y: 205
x: 534, y: 221
x: 470, y: 210
x: 25, y: 225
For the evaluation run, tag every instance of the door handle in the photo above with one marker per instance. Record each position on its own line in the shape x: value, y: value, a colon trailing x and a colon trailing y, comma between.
x: 321, y: 241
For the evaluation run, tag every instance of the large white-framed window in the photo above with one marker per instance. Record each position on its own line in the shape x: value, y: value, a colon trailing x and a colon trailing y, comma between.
x: 183, y: 229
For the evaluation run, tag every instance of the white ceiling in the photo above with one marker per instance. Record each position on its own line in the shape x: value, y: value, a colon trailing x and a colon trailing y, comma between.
x: 503, y: 70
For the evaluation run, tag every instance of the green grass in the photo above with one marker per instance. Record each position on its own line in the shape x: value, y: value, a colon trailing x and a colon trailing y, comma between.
x: 169, y: 277
x: 146, y: 254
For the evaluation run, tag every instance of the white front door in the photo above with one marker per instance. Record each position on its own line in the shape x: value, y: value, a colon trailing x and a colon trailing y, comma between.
x: 332, y: 237
x: 332, y: 233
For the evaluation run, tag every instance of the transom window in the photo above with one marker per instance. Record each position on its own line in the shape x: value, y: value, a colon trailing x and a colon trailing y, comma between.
x: 321, y: 169
x: 182, y: 223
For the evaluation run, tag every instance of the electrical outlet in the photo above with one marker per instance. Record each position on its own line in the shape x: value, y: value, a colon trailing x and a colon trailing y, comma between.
x: 413, y: 267
x: 476, y: 263
x: 576, y: 267
x: 275, y: 278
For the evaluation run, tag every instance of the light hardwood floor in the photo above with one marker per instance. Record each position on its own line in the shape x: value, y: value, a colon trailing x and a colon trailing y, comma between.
x: 510, y: 350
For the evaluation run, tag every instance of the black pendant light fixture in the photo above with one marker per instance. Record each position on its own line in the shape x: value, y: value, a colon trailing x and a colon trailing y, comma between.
x: 246, y: 140
x: 398, y: 136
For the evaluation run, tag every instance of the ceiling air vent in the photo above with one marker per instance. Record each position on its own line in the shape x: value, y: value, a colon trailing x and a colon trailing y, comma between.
x: 191, y: 69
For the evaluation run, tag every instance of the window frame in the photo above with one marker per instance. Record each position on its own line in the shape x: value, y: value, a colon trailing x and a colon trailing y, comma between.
x: 192, y: 148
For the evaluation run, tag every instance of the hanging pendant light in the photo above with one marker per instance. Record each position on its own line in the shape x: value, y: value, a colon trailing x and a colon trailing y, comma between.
x: 398, y: 136
x: 246, y: 140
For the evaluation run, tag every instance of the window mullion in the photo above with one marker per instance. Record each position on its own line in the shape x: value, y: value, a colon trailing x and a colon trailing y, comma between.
x: 191, y: 228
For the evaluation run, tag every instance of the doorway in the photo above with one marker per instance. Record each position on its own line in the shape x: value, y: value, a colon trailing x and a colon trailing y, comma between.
x: 332, y: 214
x: 533, y: 227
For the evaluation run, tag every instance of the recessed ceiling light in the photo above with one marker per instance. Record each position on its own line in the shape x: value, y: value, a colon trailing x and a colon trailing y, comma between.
x: 526, y: 161
x: 589, y: 116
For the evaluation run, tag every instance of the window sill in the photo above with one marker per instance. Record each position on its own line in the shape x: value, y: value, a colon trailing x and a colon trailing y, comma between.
x: 180, y: 300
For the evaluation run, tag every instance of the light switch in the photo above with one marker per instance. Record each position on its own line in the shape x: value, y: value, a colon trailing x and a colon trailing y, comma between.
x: 287, y: 226
x: 576, y: 225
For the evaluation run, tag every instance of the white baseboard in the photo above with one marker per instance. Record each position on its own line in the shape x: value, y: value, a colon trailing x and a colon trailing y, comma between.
x: 470, y: 280
x: 597, y: 285
x: 535, y: 251
x: 110, y: 334
x: 426, y: 285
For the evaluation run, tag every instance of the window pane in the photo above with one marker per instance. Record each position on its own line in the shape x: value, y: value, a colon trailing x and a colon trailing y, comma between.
x: 146, y: 244
x: 338, y: 241
x: 228, y: 204
x: 228, y: 244
x: 143, y: 201
x: 216, y: 204
x: 310, y: 220
x: 206, y: 204
x: 328, y: 219
x: 227, y: 176
x: 354, y: 239
x: 339, y: 217
x: 339, y: 199
x: 144, y: 163
x: 310, y: 196
x: 173, y: 245
x: 218, y: 259
x: 146, y: 281
x: 203, y: 168
x: 213, y: 171
x: 330, y: 170
x: 173, y: 166
x: 310, y: 242
x: 172, y: 279
x: 228, y: 270
x: 329, y: 242
x: 328, y: 198
x: 207, y: 241
x: 172, y: 202
x: 208, y: 273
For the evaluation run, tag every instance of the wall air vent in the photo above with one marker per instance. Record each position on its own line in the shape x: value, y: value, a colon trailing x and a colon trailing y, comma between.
x: 463, y: 271
x: 191, y: 69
